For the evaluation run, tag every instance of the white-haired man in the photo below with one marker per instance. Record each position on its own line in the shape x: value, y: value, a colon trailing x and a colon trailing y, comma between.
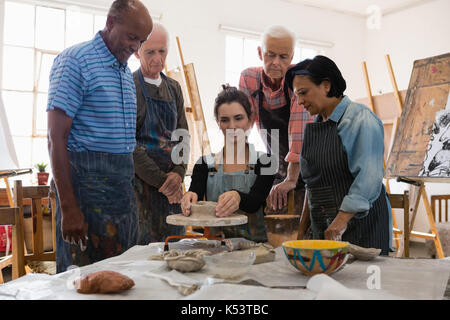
x: 160, y: 111
x: 275, y: 107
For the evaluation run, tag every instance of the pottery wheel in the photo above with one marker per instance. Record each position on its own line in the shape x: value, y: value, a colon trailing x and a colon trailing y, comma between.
x: 203, y: 214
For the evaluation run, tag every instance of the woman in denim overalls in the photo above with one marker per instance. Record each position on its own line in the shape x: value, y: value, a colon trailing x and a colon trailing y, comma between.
x: 235, y: 178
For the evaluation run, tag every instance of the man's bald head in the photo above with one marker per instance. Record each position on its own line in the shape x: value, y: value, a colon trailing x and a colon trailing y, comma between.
x: 119, y: 7
x: 128, y: 25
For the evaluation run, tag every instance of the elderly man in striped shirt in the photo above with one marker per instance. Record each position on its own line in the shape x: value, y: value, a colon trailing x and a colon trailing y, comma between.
x: 275, y: 108
x: 91, y: 137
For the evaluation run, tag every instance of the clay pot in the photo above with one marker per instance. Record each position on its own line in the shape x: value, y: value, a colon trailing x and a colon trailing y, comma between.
x: 42, y: 178
x: 281, y: 228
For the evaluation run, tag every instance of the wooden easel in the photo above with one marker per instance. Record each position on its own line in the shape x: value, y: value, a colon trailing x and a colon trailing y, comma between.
x: 200, y: 143
x: 396, y: 230
x: 193, y: 109
x: 417, y: 187
x: 11, y: 173
x: 8, y: 192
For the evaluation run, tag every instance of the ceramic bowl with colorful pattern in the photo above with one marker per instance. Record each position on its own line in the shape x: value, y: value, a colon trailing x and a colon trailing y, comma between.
x: 316, y: 256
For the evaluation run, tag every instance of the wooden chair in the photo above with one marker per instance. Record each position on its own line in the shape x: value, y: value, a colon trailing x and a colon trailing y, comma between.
x: 36, y: 194
x: 14, y: 216
x: 401, y: 201
x: 440, y: 199
x: 11, y: 216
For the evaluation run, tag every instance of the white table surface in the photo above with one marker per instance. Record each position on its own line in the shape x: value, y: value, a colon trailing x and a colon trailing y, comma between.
x: 399, y: 279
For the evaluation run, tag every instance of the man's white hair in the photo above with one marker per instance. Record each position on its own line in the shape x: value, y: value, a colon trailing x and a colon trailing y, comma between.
x: 277, y: 32
x: 163, y: 29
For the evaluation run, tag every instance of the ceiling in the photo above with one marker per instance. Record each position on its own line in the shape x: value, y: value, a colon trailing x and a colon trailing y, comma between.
x: 359, y: 7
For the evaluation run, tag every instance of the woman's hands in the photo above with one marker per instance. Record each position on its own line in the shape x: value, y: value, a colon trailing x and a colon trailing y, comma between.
x: 188, y: 198
x: 337, y: 228
x: 228, y: 203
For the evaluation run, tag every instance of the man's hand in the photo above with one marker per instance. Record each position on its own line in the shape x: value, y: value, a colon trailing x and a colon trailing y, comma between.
x: 172, y: 185
x: 188, y: 198
x: 228, y: 203
x: 337, y: 228
x: 73, y: 226
x: 278, y: 197
x: 176, y: 198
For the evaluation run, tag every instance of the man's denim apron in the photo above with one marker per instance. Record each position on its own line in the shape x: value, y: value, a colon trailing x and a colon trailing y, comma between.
x: 103, y: 187
x: 155, y: 134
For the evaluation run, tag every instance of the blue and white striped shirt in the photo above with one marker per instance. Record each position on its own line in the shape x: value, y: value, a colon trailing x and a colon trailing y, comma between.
x: 93, y: 88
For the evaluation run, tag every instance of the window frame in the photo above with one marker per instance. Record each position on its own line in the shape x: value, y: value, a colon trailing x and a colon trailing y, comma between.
x: 299, y: 45
x: 38, y: 56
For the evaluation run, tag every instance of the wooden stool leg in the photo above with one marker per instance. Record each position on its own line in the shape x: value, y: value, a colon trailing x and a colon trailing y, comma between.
x: 18, y: 234
x: 394, y: 220
x: 406, y: 225
x: 437, y: 241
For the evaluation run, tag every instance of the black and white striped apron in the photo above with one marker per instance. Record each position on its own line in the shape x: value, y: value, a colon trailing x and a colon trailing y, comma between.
x: 325, y: 170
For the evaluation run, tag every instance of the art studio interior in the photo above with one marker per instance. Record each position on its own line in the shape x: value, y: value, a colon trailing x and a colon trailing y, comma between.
x: 238, y: 150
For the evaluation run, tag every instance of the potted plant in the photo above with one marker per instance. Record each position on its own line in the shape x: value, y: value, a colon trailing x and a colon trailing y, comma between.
x: 42, y: 175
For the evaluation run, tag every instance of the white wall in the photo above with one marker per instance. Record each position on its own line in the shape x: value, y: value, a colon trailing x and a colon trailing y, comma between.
x: 2, y: 11
x: 416, y: 33
x: 196, y: 23
x: 409, y: 35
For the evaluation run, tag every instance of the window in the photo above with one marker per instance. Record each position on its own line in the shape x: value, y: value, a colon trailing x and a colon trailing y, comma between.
x: 241, y: 53
x: 33, y: 36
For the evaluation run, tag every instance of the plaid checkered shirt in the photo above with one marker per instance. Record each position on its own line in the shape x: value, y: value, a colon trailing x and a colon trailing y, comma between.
x: 250, y: 82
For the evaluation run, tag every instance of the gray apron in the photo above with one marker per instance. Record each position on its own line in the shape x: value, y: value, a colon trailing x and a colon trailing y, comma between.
x: 324, y: 169
x: 103, y: 186
x: 219, y: 182
x: 155, y: 135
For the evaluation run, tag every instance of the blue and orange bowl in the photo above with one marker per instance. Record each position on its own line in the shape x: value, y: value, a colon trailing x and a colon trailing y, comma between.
x: 316, y: 256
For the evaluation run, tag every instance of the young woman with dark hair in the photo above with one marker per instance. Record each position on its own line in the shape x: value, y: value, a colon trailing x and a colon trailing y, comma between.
x: 235, y: 177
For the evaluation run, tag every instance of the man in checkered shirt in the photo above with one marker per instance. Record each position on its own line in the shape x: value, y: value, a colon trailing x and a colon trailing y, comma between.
x: 274, y: 107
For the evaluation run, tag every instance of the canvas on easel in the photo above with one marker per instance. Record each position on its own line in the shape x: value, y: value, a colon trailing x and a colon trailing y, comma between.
x: 420, y: 137
x: 8, y: 158
x: 427, y: 97
x: 9, y: 165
